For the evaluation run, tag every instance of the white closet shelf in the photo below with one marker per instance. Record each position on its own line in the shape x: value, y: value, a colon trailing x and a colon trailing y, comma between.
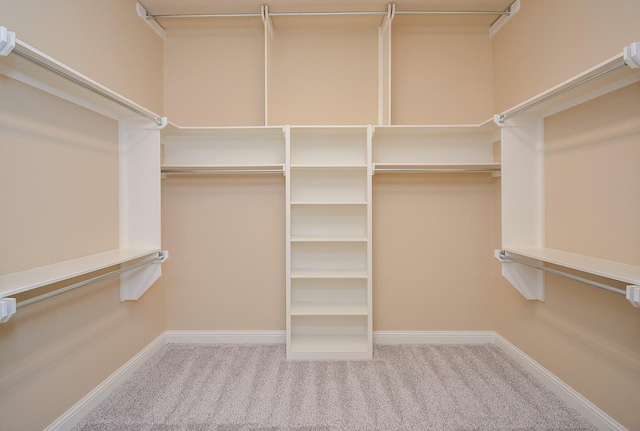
x: 591, y: 265
x: 436, y: 167
x: 328, y: 309
x: 23, y: 281
x: 602, y: 78
x: 335, y: 238
x: 213, y: 169
x: 330, y: 344
x: 327, y: 273
x: 329, y: 203
x: 31, y: 66
x: 176, y: 130
x: 487, y: 127
x: 328, y: 166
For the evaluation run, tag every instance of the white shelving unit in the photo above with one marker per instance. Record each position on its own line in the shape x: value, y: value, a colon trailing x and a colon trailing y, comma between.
x: 223, y: 150
x: 523, y: 180
x: 329, y: 242
x: 433, y: 149
x: 139, y: 173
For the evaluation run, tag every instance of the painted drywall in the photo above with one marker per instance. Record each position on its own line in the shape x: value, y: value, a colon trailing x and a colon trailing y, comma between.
x: 432, y: 241
x: 226, y: 234
x: 585, y: 336
x: 60, y: 201
x: 214, y: 73
x: 548, y: 42
x: 440, y: 75
x: 104, y: 40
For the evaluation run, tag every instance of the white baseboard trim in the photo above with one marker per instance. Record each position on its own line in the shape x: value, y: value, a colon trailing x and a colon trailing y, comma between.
x: 226, y: 337
x: 433, y: 337
x: 75, y: 414
x: 586, y: 408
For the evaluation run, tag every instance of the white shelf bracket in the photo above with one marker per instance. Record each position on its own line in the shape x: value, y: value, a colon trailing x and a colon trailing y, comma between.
x: 151, y: 22
x: 527, y: 280
x: 266, y: 19
x: 500, y: 22
x: 633, y: 295
x: 631, y: 55
x: 134, y: 283
x: 7, y: 309
x: 7, y: 41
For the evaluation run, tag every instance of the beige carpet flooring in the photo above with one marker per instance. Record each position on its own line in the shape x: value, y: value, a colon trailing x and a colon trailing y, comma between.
x: 405, y: 387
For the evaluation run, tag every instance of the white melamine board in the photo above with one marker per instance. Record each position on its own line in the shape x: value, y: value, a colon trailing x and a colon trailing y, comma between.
x: 321, y: 221
x: 140, y: 199
x: 328, y: 256
x: 254, y: 146
x: 12, y: 284
x: 329, y: 291
x: 307, y: 273
x: 318, y: 347
x: 592, y: 265
x: 328, y: 185
x: 329, y: 146
x: 522, y: 186
x: 434, y: 144
x: 337, y: 326
x: 328, y: 309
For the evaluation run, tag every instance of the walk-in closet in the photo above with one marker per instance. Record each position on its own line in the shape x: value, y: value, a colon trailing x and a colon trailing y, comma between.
x: 329, y: 178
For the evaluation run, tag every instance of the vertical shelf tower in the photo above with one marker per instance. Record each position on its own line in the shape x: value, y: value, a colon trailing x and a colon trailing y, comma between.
x: 328, y: 193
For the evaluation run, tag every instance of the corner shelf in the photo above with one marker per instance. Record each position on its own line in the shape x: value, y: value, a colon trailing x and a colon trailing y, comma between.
x: 523, y: 200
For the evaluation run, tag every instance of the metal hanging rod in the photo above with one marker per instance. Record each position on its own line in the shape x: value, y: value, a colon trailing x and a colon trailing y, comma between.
x: 509, y: 257
x: 501, y: 118
x: 435, y: 170
x: 343, y: 13
x: 222, y: 170
x: 453, y: 12
x: 159, y: 257
x: 160, y: 121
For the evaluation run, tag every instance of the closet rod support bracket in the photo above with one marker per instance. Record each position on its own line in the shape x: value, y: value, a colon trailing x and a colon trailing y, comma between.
x: 633, y: 295
x: 7, y: 41
x: 631, y: 55
x: 7, y: 309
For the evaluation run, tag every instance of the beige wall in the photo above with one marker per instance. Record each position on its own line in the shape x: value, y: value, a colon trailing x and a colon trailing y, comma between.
x: 550, y: 41
x: 433, y: 237
x: 103, y: 39
x: 59, y: 190
x: 227, y: 241
x: 585, y: 336
x: 214, y: 73
x: 440, y: 75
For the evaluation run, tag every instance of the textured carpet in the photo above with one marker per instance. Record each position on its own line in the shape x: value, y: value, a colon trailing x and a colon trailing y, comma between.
x: 405, y: 387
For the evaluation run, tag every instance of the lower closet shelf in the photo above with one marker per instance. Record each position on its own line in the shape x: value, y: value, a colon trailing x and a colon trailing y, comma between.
x: 329, y: 309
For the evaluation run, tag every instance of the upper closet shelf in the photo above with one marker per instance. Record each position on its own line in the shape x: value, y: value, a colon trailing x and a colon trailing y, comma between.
x: 25, y: 63
x: 223, y: 150
x: 617, y: 72
x: 15, y: 283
